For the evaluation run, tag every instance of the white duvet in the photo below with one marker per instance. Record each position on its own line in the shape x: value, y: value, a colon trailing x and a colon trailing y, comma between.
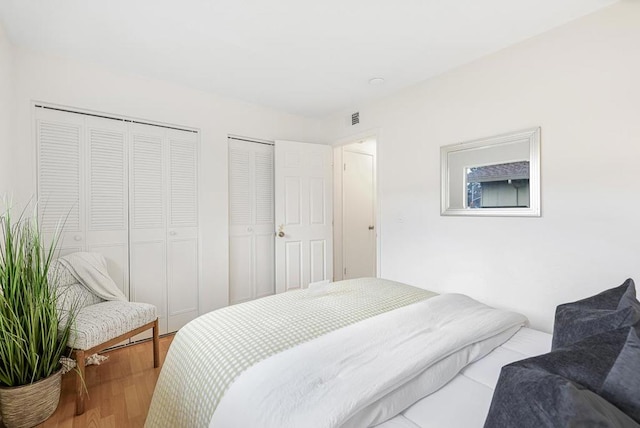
x: 368, y: 372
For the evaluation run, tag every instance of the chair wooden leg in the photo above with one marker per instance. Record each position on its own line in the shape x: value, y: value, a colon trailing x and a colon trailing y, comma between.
x: 79, y: 357
x: 156, y: 345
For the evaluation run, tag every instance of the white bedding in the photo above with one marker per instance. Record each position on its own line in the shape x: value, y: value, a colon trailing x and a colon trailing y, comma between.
x: 464, y: 402
x: 365, y: 373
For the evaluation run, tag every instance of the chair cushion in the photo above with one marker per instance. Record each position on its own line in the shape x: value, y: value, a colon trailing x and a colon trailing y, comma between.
x: 96, y: 324
x: 609, y: 310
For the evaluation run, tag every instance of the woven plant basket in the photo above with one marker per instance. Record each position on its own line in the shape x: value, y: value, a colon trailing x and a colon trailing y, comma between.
x: 28, y: 405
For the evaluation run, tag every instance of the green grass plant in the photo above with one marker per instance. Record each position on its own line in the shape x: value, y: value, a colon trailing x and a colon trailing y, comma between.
x: 33, y: 334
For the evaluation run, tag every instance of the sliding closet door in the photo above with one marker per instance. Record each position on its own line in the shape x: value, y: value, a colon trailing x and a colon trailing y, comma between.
x: 251, y: 227
x: 182, y: 241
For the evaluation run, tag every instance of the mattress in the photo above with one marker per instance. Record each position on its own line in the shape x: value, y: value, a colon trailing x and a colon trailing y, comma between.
x: 464, y: 401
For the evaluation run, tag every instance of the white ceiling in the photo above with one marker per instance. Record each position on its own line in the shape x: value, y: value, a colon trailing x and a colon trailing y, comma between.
x: 305, y: 57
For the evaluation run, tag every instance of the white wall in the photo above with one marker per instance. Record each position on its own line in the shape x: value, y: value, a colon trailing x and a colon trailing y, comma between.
x: 581, y: 84
x: 83, y: 85
x: 6, y: 110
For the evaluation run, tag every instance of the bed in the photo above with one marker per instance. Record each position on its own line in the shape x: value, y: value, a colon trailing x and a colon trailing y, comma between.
x: 464, y: 401
x: 355, y: 353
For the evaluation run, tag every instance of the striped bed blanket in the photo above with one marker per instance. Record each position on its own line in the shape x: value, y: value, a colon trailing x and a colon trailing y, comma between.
x: 208, y: 354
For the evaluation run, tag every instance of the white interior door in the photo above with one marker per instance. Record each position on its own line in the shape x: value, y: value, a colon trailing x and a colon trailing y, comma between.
x: 303, y: 214
x: 359, y: 236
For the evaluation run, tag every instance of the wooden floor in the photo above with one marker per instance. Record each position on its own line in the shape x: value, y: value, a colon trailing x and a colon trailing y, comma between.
x: 120, y: 389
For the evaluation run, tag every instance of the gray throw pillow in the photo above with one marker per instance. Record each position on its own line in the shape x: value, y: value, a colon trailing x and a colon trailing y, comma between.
x: 528, y: 397
x: 609, y: 310
x: 622, y: 385
x: 583, y: 384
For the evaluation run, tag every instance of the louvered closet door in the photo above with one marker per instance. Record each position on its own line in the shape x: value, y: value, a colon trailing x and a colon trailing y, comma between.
x: 251, y: 227
x: 182, y: 242
x: 264, y: 224
x: 130, y: 192
x: 61, y: 201
x: 107, y: 230
x: 82, y: 183
x: 148, y: 218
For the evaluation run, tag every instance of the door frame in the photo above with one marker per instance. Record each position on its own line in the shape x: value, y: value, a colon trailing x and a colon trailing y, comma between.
x: 338, y: 208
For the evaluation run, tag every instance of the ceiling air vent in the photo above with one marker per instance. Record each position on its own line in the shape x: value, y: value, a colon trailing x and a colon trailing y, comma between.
x: 355, y: 118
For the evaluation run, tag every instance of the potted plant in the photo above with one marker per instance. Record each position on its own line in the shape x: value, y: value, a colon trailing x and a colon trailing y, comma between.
x: 33, y: 334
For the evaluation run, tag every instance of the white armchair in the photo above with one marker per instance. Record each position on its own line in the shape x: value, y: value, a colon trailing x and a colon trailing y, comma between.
x: 101, y: 324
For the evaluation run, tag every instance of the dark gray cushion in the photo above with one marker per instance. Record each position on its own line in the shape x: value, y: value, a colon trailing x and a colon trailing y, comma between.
x: 533, y: 398
x: 609, y: 310
x: 584, y: 384
x: 622, y: 385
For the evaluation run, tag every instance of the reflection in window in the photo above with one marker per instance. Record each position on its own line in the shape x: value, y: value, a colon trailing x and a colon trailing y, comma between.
x: 504, y: 185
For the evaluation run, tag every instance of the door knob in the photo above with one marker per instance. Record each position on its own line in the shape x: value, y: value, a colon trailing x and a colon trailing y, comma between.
x: 370, y: 227
x: 281, y: 234
x: 281, y: 231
